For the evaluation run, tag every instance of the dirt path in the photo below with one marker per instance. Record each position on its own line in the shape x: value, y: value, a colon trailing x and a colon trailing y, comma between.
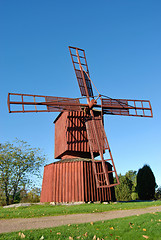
x: 18, y: 224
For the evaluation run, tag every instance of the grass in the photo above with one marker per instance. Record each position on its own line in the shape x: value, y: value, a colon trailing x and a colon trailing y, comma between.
x: 48, y: 210
x: 145, y: 226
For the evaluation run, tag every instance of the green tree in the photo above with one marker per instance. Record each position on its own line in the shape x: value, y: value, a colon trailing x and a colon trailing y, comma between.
x: 146, y: 183
x: 124, y: 190
x: 2, y: 196
x: 18, y: 162
x: 158, y: 193
x: 34, y: 195
x: 132, y: 176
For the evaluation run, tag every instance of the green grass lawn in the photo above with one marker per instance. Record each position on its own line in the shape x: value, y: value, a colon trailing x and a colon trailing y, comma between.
x: 147, y: 226
x: 48, y: 210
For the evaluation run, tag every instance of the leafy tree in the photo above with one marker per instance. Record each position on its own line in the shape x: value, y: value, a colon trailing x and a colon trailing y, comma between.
x: 132, y: 176
x: 124, y: 190
x: 34, y: 195
x: 2, y: 196
x: 146, y: 183
x: 23, y: 194
x: 17, y: 164
x: 158, y: 193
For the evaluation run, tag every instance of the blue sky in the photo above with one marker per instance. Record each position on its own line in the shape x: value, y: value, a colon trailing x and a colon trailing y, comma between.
x: 122, y: 40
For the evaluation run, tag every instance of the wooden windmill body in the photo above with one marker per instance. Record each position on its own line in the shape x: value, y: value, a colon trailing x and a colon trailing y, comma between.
x: 79, y: 138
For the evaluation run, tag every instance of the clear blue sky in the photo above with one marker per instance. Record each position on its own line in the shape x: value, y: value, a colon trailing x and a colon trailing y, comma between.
x: 122, y: 40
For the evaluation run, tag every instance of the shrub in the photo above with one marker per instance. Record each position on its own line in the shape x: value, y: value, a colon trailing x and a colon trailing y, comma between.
x: 134, y: 196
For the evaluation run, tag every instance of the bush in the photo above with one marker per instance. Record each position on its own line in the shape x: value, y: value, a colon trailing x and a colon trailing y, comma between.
x: 134, y: 196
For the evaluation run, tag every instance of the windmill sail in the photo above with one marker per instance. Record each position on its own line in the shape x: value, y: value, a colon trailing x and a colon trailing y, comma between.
x: 81, y: 71
x: 21, y: 103
x: 126, y: 107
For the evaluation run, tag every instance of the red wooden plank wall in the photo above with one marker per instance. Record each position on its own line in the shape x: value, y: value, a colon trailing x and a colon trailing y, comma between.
x: 72, y: 182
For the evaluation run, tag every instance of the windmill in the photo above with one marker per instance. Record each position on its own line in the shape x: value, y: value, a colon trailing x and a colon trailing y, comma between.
x: 91, y: 114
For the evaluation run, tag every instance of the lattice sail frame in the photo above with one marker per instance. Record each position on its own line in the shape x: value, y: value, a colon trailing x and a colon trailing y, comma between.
x: 126, y: 107
x: 81, y: 70
x: 40, y: 103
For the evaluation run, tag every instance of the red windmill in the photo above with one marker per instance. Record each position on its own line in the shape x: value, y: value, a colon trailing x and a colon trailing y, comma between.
x: 79, y: 135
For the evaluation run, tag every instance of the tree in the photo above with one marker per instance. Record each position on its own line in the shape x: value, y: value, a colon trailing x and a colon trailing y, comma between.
x: 146, y: 183
x: 132, y: 176
x: 2, y: 196
x: 34, y: 195
x: 158, y: 193
x: 126, y: 187
x: 18, y: 162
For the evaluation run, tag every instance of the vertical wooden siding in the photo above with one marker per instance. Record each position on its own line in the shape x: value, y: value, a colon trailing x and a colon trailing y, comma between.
x: 76, y: 132
x: 92, y: 193
x: 73, y: 182
x: 63, y: 182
